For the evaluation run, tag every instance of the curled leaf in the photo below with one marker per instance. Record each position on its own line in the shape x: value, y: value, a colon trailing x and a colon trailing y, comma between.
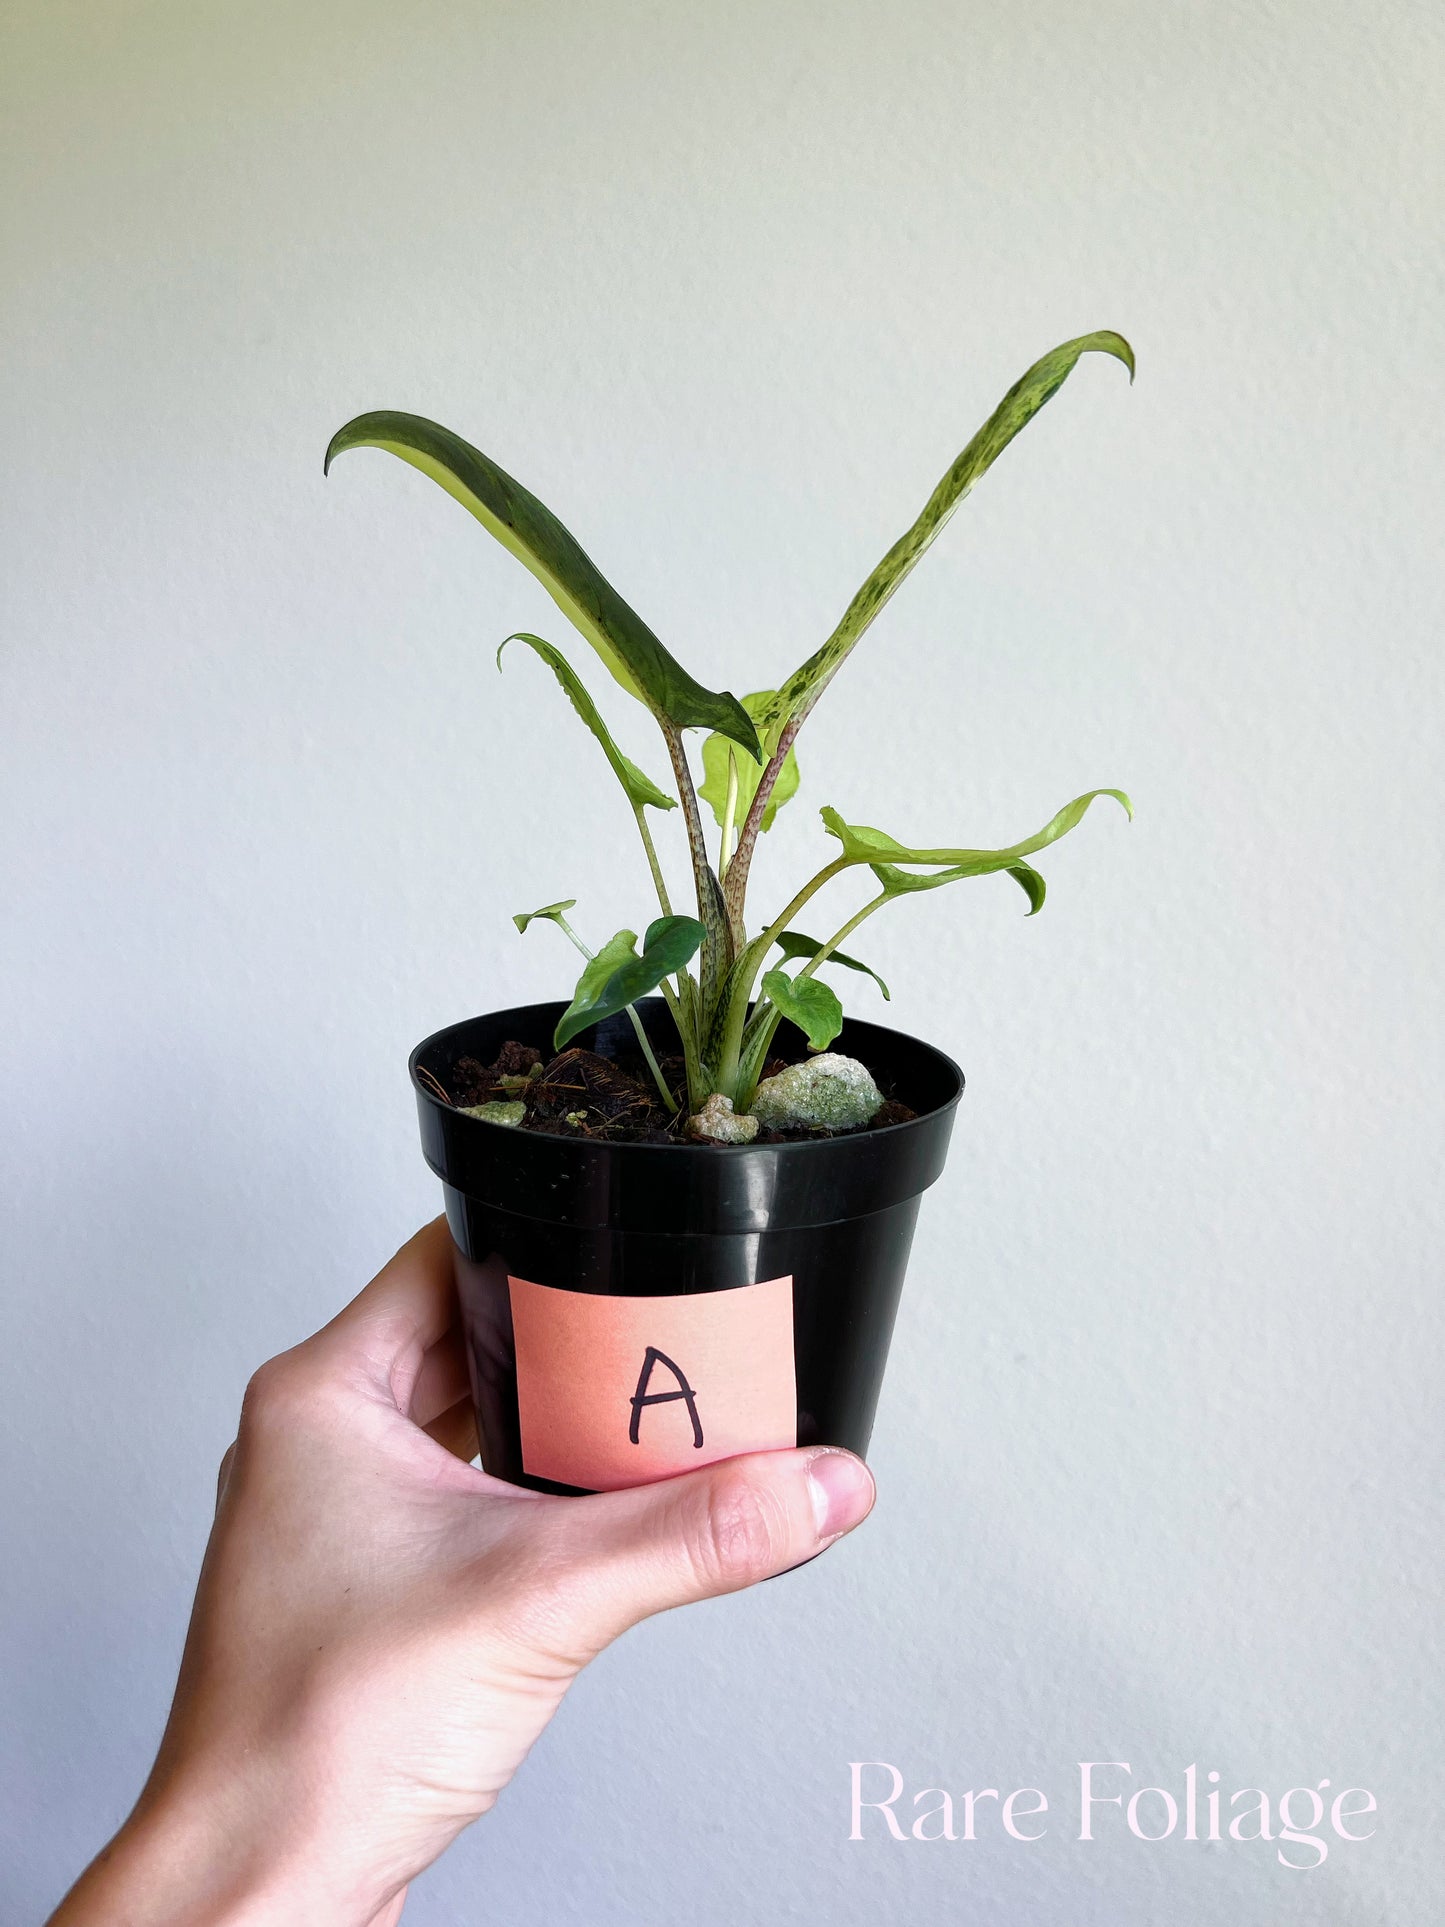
x: 532, y: 533
x: 1031, y: 883
x: 617, y: 976
x: 864, y: 845
x: 555, y: 912
x: 641, y: 790
x: 900, y: 883
x: 793, y: 943
x: 811, y: 1005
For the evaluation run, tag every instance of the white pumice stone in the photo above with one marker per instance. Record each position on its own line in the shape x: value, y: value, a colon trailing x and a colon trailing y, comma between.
x: 499, y: 1111
x: 719, y: 1124
x: 828, y: 1093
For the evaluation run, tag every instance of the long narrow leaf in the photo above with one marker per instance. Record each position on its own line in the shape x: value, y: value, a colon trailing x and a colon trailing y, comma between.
x: 640, y: 788
x: 864, y: 845
x: 539, y: 541
x: 1018, y: 407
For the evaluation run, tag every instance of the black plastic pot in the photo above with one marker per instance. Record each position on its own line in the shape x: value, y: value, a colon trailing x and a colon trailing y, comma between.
x: 633, y: 1310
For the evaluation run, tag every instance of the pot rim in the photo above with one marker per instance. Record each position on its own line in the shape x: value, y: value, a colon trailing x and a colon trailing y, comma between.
x: 647, y: 1006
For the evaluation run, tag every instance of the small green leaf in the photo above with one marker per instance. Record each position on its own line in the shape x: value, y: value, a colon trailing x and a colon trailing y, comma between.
x: 596, y: 973
x: 557, y: 912
x: 793, y: 943
x: 532, y: 533
x: 617, y: 976
x: 761, y: 706
x: 864, y: 845
x: 641, y: 790
x: 1018, y: 407
x: 809, y: 1004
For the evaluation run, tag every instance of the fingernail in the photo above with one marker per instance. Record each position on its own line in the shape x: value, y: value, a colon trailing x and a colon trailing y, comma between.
x: 842, y: 1492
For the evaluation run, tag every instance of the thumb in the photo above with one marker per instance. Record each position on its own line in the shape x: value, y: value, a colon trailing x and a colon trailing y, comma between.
x: 637, y: 1552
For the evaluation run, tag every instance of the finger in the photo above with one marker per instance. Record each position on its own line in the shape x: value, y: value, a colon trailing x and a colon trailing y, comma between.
x: 441, y: 1379
x: 456, y: 1429
x: 387, y: 1329
x: 633, y: 1553
x: 223, y: 1475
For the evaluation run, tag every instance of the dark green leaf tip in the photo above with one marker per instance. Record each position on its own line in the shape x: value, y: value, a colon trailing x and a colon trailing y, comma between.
x: 343, y: 439
x: 1032, y: 885
x: 1110, y: 343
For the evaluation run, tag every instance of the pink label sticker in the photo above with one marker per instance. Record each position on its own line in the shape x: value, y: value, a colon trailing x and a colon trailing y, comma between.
x: 620, y: 1391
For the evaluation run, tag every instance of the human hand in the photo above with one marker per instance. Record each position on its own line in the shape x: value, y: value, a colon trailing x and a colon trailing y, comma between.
x: 381, y: 1631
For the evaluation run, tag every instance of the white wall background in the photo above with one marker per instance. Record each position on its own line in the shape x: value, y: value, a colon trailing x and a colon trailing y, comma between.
x: 1160, y: 1456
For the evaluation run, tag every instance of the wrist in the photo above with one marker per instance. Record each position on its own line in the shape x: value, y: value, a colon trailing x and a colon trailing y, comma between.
x: 217, y: 1857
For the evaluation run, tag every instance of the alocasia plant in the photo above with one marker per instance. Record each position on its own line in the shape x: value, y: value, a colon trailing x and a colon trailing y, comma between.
x: 725, y: 995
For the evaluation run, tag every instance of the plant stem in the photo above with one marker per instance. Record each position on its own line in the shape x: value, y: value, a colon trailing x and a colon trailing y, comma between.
x: 717, y: 949
x: 652, y: 862
x: 763, y: 1025
x: 839, y: 936
x: 754, y: 1053
x: 810, y: 889
x: 730, y: 810
x: 737, y: 884
x: 688, y: 1014
x: 697, y: 1092
x: 740, y: 984
x: 652, y: 1064
x: 564, y: 925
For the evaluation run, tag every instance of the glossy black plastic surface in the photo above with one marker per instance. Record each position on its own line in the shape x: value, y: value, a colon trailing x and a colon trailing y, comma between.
x: 836, y: 1215
x: 686, y: 1188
